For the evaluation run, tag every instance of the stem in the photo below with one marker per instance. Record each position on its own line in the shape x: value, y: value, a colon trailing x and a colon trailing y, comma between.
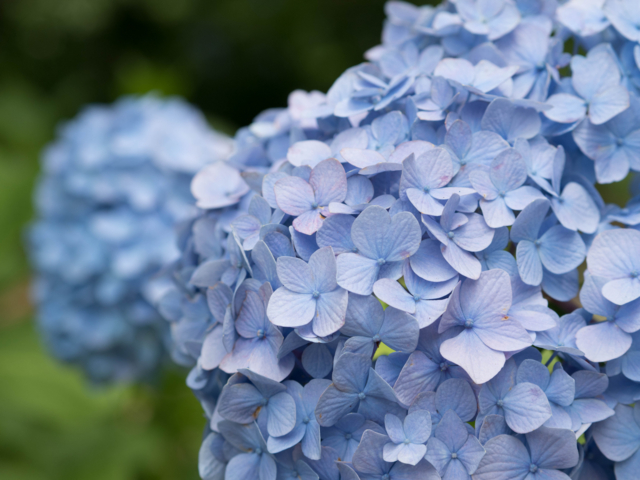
x: 555, y: 354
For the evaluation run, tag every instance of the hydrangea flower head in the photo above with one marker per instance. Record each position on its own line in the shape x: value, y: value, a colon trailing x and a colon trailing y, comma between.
x: 114, y: 186
x: 438, y: 201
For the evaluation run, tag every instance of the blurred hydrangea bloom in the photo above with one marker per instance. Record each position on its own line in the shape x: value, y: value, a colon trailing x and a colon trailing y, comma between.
x: 114, y: 186
x: 439, y: 201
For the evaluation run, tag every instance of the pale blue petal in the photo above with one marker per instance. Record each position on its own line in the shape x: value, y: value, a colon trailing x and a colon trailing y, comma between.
x: 567, y: 108
x: 290, y: 309
x: 356, y: 273
x: 399, y: 331
x: 608, y: 103
x: 561, y: 250
x: 506, y: 459
x: 456, y: 394
x: 528, y: 223
x: 526, y: 408
x: 429, y: 264
x: 463, y: 262
x: 553, y: 448
x: 392, y: 293
x: 603, y: 341
x: 478, y: 360
x: 330, y: 312
x: 336, y: 233
x: 294, y: 196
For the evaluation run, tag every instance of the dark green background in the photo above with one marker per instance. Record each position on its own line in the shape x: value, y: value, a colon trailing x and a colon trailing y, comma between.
x: 232, y: 58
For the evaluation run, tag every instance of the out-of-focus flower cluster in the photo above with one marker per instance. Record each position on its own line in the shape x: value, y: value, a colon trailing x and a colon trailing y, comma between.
x: 450, y: 179
x: 113, y: 188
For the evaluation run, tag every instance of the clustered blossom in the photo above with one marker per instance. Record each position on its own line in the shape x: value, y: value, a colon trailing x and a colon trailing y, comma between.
x: 113, y: 187
x: 440, y: 200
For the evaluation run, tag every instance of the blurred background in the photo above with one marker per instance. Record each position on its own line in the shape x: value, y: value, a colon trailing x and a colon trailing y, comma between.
x: 232, y: 59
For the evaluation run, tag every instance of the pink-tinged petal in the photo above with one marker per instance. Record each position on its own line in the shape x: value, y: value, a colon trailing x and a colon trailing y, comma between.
x: 361, y: 158
x: 308, y: 152
x: 293, y: 195
x: 329, y: 182
x: 309, y: 222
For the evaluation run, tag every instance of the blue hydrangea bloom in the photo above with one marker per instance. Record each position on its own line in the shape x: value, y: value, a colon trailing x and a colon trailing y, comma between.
x: 502, y: 188
x: 368, y: 461
x: 459, y: 234
x: 440, y: 201
x: 550, y: 450
x: 477, y: 311
x: 452, y: 450
x: 523, y: 404
x: 542, y: 246
x: 408, y: 437
x: 383, y: 242
x: 309, y: 293
x: 114, y: 186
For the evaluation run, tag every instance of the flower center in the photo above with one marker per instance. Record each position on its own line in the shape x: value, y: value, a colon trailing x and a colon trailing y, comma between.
x: 260, y: 333
x: 306, y: 420
x: 533, y: 468
x: 444, y: 366
x: 468, y: 323
x: 376, y: 337
x: 381, y: 261
x: 258, y: 451
x: 362, y: 395
x: 316, y: 294
x: 454, y: 455
x: 500, y: 403
x: 620, y: 142
x: 347, y: 436
x: 450, y: 234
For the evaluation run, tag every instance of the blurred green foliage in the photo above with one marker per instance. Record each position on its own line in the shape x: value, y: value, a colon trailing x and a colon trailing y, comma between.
x: 52, y: 427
